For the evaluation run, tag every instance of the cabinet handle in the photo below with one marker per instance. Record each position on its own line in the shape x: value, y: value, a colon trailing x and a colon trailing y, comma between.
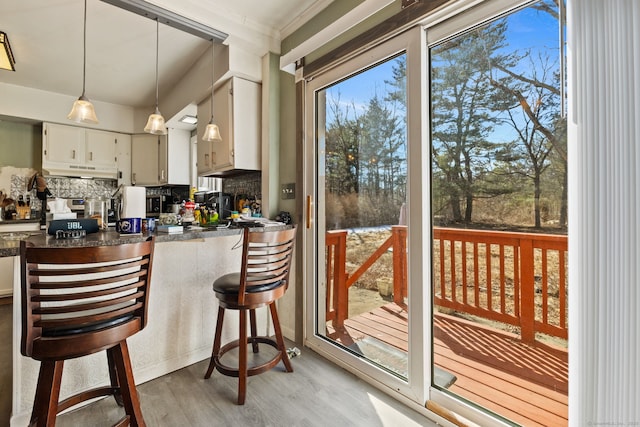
x: 206, y: 159
x: 162, y: 174
x: 73, y: 154
x: 90, y: 155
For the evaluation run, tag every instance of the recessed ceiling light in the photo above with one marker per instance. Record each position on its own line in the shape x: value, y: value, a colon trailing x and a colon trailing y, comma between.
x: 192, y: 120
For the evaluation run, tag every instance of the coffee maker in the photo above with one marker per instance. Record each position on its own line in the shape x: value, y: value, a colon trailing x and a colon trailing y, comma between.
x: 222, y: 203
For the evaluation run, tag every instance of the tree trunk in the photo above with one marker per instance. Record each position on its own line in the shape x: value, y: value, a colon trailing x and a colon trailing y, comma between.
x: 564, y: 211
x: 536, y: 199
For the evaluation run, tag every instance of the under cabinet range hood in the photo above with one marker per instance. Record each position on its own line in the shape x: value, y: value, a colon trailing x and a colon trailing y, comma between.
x: 78, y: 171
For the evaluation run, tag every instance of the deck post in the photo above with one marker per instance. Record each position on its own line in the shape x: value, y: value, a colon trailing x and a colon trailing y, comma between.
x: 340, y: 293
x: 527, y: 300
x: 399, y: 233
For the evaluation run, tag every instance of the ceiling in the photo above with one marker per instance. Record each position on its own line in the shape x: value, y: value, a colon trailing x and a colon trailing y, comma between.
x: 46, y: 39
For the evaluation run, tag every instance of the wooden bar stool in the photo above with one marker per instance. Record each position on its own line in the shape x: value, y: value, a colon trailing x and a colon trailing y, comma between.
x: 263, y: 279
x: 77, y: 301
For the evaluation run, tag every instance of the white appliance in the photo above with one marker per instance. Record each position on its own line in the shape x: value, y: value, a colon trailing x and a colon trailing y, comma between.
x: 134, y: 202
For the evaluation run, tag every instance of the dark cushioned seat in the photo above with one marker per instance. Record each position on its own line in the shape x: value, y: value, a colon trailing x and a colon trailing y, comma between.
x: 230, y: 284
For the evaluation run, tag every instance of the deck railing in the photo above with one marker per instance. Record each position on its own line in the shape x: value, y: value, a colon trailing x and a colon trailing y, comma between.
x: 515, y: 278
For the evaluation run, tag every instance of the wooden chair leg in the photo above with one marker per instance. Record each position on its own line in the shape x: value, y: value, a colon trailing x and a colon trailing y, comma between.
x: 113, y: 377
x: 279, y: 338
x: 242, y: 359
x: 216, y: 343
x: 45, y: 407
x: 254, y: 329
x: 124, y: 370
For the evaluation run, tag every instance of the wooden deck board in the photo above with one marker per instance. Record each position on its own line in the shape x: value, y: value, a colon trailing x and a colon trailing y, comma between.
x: 525, y: 383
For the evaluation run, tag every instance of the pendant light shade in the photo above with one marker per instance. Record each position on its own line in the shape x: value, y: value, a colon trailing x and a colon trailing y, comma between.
x: 155, y: 124
x: 82, y: 110
x: 212, y: 132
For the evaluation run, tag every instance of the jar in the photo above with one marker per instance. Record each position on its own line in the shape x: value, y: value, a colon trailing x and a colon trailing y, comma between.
x: 97, y: 209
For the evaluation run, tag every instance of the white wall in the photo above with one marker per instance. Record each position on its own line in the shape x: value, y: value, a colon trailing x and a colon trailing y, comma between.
x: 39, y: 105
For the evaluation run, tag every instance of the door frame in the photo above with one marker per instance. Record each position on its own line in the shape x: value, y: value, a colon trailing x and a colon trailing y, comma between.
x: 414, y: 390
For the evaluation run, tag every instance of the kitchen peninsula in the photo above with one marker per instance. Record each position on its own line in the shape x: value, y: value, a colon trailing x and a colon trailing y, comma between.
x: 182, y: 310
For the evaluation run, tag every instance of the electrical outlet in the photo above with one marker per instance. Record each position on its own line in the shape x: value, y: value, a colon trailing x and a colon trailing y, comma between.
x: 289, y: 191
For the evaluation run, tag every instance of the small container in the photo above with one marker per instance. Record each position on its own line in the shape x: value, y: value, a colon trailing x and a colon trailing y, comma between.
x: 148, y: 225
x: 129, y: 226
x: 97, y: 209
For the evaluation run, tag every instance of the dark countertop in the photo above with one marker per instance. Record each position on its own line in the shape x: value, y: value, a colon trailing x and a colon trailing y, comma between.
x: 10, y: 244
x: 19, y: 221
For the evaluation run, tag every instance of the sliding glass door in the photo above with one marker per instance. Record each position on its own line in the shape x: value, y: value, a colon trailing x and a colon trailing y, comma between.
x: 436, y: 246
x: 360, y: 306
x: 499, y: 212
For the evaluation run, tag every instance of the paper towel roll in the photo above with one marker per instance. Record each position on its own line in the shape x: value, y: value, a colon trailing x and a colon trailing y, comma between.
x: 134, y: 202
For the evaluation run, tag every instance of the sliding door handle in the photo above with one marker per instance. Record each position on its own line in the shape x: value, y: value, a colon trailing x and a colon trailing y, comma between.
x: 308, y: 211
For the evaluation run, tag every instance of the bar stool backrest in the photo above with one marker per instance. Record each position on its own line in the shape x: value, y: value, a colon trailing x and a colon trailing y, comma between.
x: 81, y: 300
x: 266, y: 261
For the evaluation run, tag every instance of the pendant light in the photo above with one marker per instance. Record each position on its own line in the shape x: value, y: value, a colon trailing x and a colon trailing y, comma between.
x: 155, y: 124
x: 82, y: 110
x: 212, y: 132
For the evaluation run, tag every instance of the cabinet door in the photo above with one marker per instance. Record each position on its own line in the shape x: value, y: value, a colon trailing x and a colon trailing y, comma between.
x: 62, y: 144
x: 205, y: 166
x: 144, y: 159
x: 100, y: 149
x: 179, y: 157
x: 246, y: 124
x: 222, y: 152
x: 163, y: 159
x: 123, y: 155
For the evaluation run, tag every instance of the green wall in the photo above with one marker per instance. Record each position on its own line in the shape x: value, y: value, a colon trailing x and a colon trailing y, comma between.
x: 20, y: 144
x: 330, y: 14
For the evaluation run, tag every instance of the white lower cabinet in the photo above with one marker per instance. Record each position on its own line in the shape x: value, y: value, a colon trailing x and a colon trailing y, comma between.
x: 6, y: 278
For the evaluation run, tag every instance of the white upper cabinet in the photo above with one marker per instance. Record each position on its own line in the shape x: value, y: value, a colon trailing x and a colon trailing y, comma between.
x: 161, y: 159
x: 237, y: 108
x: 76, y: 151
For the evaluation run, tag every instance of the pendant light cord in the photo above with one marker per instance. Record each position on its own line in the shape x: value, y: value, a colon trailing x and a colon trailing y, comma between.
x: 84, y: 49
x: 213, y: 76
x: 157, y: 53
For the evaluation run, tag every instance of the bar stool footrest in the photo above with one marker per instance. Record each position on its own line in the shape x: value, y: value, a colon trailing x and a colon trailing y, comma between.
x: 251, y: 370
x: 87, y: 395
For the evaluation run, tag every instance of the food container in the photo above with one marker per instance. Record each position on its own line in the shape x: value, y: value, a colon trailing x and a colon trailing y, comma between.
x: 98, y: 210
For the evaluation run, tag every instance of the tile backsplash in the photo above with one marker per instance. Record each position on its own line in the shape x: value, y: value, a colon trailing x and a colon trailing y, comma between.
x: 249, y: 183
x: 65, y: 187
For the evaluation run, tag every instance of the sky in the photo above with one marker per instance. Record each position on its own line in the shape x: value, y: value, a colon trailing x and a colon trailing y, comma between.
x: 527, y: 28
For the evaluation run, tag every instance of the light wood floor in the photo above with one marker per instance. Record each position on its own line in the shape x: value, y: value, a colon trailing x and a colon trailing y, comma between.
x: 317, y: 393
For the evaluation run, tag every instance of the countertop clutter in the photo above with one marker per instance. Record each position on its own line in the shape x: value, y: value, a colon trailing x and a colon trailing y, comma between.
x: 10, y: 242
